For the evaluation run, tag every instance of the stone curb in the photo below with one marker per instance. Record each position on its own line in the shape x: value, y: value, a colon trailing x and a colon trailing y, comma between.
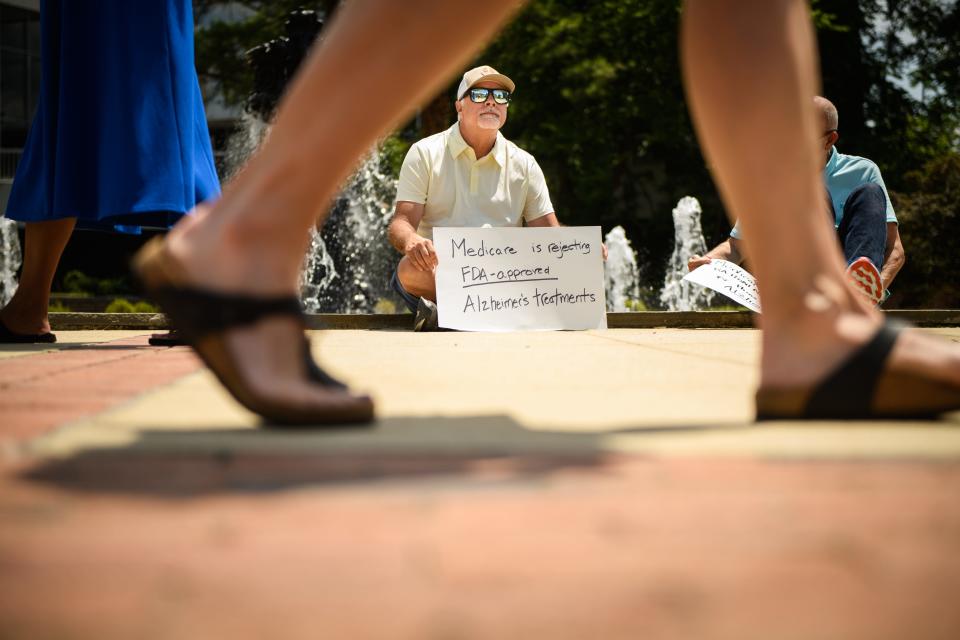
x: 402, y: 321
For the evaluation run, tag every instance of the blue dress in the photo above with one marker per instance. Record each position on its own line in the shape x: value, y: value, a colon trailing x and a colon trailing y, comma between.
x: 119, y: 139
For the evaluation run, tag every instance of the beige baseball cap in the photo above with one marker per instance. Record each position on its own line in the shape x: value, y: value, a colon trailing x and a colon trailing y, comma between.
x: 483, y: 74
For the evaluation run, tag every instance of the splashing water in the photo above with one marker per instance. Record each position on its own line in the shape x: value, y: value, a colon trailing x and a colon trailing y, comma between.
x: 677, y: 295
x: 348, y: 266
x: 621, y: 275
x: 9, y: 259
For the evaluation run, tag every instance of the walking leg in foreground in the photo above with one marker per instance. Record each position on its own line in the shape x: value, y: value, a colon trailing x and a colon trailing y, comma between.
x: 826, y: 352
x: 229, y: 279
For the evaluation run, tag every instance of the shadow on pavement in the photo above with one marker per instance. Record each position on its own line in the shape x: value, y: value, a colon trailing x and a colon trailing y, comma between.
x: 73, y: 346
x: 185, y: 463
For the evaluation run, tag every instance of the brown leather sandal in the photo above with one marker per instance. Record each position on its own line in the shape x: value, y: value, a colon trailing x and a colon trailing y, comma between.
x: 203, y: 317
x: 174, y: 338
x: 862, y: 389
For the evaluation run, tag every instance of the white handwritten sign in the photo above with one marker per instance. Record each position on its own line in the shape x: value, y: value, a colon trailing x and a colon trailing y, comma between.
x: 520, y: 279
x: 728, y: 279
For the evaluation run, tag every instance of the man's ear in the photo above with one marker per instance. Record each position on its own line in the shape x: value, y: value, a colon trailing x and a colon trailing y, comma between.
x: 832, y: 139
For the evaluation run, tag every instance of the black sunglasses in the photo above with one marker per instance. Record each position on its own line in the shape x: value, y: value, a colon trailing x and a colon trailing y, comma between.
x: 500, y: 96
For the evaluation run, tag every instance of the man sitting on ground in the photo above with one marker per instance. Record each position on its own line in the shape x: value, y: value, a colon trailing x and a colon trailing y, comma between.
x: 467, y: 176
x: 860, y: 208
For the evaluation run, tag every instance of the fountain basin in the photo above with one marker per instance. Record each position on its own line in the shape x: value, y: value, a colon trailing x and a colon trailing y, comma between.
x: 404, y: 321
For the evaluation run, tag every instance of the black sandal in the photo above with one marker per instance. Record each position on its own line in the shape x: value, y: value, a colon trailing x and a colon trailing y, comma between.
x: 9, y: 337
x: 863, y: 389
x: 202, y: 317
x: 169, y: 339
x: 174, y: 338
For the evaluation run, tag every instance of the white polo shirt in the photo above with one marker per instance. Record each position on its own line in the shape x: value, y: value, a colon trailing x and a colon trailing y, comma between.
x: 500, y: 189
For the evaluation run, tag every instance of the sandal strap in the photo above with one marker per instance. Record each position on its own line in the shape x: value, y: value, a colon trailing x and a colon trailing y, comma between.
x: 198, y: 312
x: 849, y: 390
x: 315, y: 372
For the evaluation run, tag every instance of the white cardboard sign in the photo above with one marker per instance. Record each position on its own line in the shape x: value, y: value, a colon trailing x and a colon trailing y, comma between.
x: 730, y: 280
x: 520, y: 279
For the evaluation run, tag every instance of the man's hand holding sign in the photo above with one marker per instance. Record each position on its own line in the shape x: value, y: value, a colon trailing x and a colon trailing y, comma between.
x: 729, y: 279
x: 509, y: 279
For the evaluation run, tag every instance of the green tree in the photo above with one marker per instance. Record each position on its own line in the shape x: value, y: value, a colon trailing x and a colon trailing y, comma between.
x: 869, y: 53
x: 929, y: 216
x: 222, y: 43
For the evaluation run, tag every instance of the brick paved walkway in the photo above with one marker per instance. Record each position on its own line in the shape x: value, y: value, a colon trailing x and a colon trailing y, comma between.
x: 610, y: 501
x: 61, y: 385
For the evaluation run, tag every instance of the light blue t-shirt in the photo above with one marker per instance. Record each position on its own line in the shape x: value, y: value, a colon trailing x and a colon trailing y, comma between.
x: 841, y: 175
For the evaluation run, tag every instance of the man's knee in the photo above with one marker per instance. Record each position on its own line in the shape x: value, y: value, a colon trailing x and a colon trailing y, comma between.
x: 417, y: 282
x: 408, y: 274
x: 863, y: 230
x: 867, y: 200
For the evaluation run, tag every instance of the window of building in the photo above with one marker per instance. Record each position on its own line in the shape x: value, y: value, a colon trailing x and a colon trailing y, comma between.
x: 19, y: 81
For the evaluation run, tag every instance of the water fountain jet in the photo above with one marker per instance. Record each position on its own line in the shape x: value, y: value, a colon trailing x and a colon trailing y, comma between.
x: 348, y: 264
x: 621, y: 274
x: 10, y: 259
x: 688, y: 241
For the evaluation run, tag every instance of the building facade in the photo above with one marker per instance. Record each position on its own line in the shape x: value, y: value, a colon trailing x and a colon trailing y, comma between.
x: 19, y: 82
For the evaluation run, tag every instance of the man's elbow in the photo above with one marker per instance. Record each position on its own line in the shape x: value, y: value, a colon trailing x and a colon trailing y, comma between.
x: 402, y: 218
x: 392, y: 226
x: 897, y: 253
x: 732, y: 249
x: 395, y: 229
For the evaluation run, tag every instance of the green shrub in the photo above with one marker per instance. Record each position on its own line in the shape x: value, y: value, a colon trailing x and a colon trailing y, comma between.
x: 122, y: 305
x: 58, y: 307
x: 385, y: 306
x: 143, y: 306
x: 119, y: 306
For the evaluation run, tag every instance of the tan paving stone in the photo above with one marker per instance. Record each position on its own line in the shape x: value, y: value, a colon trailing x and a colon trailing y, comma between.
x: 66, y: 339
x: 82, y: 377
x: 651, y: 392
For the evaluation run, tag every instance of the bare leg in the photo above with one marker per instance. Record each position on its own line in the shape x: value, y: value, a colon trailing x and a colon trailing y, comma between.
x: 378, y: 61
x: 26, y: 313
x: 750, y: 70
x: 422, y: 284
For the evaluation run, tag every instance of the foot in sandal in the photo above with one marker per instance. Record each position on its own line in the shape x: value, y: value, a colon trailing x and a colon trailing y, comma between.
x: 255, y: 345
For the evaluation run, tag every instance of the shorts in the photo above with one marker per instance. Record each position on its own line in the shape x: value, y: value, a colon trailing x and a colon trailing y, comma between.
x: 408, y: 298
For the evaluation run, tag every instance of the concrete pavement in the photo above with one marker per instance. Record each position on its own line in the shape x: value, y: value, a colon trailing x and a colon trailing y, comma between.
x: 574, y: 485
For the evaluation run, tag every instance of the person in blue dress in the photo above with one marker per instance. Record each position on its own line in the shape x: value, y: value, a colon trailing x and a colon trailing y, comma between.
x: 119, y: 141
